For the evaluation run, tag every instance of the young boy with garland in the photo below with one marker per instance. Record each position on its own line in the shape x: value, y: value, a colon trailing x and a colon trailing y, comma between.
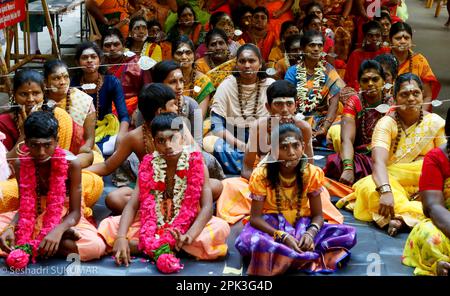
x: 48, y: 221
x: 171, y: 206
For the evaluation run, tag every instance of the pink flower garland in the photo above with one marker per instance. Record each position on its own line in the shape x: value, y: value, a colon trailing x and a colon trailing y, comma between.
x: 27, y: 207
x: 151, y: 237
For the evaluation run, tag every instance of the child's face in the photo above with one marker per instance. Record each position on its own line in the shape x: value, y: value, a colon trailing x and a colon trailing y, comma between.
x: 59, y: 81
x: 283, y: 107
x: 169, y: 143
x: 290, y: 149
x: 41, y: 149
x: 175, y: 81
x: 171, y: 106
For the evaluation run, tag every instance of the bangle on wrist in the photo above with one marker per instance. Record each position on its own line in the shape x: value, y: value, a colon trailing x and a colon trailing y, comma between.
x: 10, y: 226
x: 314, y: 225
x: 122, y: 236
x: 384, y: 188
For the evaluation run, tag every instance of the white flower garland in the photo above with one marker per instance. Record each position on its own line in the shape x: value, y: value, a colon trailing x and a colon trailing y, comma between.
x: 159, y: 175
x: 308, y: 103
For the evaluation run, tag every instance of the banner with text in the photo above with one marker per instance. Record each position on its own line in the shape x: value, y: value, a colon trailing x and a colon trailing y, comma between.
x: 11, y: 12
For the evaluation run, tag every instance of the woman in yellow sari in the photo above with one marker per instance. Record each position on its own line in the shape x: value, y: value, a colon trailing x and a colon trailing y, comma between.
x: 428, y: 245
x: 28, y: 93
x: 399, y: 142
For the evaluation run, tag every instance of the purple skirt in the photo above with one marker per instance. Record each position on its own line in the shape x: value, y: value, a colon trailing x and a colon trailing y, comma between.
x: 267, y: 257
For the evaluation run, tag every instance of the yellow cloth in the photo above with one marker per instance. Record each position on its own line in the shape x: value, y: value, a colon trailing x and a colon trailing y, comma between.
x: 275, y: 55
x: 156, y: 54
x: 426, y: 244
x: 65, y: 128
x: 219, y: 73
x: 425, y: 247
x: 108, y: 126
x: 404, y: 168
x: 312, y: 182
x: 421, y: 138
x: 334, y: 137
x: 202, y: 65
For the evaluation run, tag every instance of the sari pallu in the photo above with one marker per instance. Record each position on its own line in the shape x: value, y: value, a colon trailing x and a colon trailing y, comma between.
x: 267, y: 257
x: 421, y: 68
x: 403, y: 168
x: 206, y: 88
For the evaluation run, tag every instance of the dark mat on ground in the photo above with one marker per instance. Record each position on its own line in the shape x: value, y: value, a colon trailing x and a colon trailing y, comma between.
x: 375, y: 253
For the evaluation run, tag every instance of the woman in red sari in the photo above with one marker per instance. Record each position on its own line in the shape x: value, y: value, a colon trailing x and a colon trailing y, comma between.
x: 352, y: 160
x: 124, y: 68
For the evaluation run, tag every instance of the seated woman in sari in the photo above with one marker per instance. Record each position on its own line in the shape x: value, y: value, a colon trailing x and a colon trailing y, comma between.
x: 352, y: 143
x: 138, y: 41
x: 78, y: 105
x: 183, y: 53
x: 260, y: 34
x: 400, y: 141
x: 390, y: 67
x: 28, y: 94
x: 124, y: 68
x: 278, y: 52
x: 48, y: 221
x: 370, y: 49
x: 413, y: 62
x: 156, y: 10
x: 222, y: 21
x: 291, y: 56
x: 108, y: 13
x: 239, y: 99
x: 318, y: 86
x: 173, y: 215
x: 156, y: 35
x: 287, y: 229
x: 108, y: 90
x: 218, y: 54
x: 428, y: 245
x: 186, y: 25
x: 234, y: 203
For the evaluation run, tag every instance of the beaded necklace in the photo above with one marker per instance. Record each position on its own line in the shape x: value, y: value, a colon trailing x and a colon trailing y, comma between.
x: 192, y: 81
x: 148, y: 139
x: 400, y: 128
x: 99, y: 85
x: 240, y: 98
x: 299, y: 191
x: 365, y: 138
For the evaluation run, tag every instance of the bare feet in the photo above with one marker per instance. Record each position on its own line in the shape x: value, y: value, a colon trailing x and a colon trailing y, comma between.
x: 71, y: 234
x: 442, y: 268
x: 394, y: 226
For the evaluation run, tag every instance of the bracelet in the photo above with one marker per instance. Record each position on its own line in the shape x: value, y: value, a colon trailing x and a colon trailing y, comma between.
x: 385, y: 188
x: 348, y: 164
x: 314, y: 225
x: 122, y: 236
x: 309, y: 234
x: 278, y: 235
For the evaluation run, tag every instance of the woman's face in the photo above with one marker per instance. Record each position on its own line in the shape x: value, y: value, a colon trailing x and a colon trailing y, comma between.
x: 259, y: 21
x: 89, y: 60
x: 186, y: 19
x: 29, y: 94
x: 154, y: 32
x: 290, y: 149
x: 248, y: 64
x: 313, y: 49
x: 218, y: 47
x: 184, y: 55
x: 113, y: 47
x: 226, y: 24
x: 373, y: 39
x: 316, y: 11
x: 386, y: 25
x: 316, y: 24
x: 246, y: 20
x: 401, y: 41
x: 371, y: 83
x: 292, y: 30
x: 139, y: 32
x: 388, y: 74
x: 175, y: 81
x: 409, y: 97
x: 59, y: 81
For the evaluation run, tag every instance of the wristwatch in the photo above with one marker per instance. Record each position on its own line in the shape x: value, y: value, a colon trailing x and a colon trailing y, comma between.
x: 384, y: 188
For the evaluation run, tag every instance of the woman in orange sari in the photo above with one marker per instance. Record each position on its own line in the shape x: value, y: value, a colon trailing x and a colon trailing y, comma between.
x: 412, y: 62
x: 188, y: 25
